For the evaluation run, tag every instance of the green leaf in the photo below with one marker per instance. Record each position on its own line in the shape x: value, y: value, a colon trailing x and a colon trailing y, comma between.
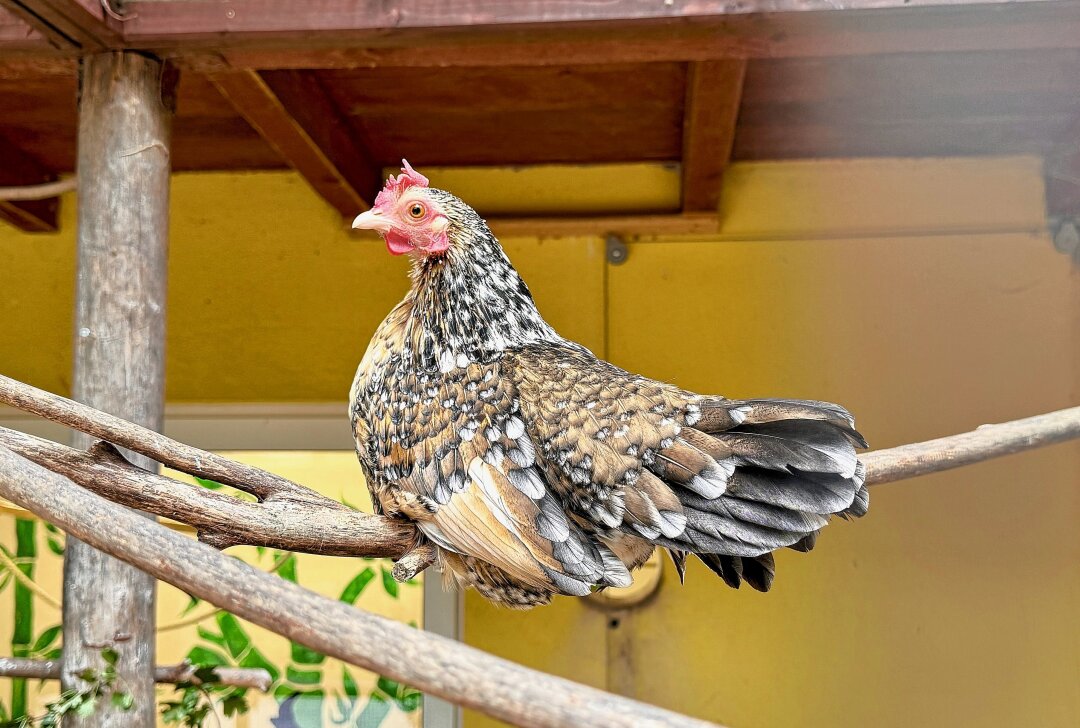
x: 412, y: 700
x: 54, y: 654
x: 88, y: 675
x: 55, y: 545
x: 234, y: 705
x: 206, y: 674
x: 303, y: 677
x: 46, y: 638
x: 349, y: 684
x: 192, y: 603
x: 123, y: 701
x: 389, y: 582
x: 110, y: 656
x: 236, y: 639
x: 357, y: 586
x: 287, y: 570
x: 200, y: 655
x: 305, y: 655
x: 209, y: 636
x: 254, y: 658
x: 86, y: 707
x: 211, y: 484
x: 388, y: 686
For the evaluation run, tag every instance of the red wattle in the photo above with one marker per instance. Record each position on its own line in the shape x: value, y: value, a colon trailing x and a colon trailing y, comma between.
x: 397, y: 243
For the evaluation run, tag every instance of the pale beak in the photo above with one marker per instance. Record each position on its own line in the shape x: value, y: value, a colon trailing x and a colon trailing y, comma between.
x: 372, y: 220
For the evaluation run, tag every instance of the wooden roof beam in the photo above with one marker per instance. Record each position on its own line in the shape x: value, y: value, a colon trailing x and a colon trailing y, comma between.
x: 16, y: 34
x: 343, y: 33
x: 294, y: 115
x: 35, y: 216
x: 713, y: 96
x: 69, y: 24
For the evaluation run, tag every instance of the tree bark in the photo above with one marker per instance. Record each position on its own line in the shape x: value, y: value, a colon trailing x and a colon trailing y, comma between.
x: 125, y: 110
x: 241, y: 677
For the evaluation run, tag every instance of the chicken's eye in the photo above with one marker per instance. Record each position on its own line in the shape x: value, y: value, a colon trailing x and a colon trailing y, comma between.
x: 416, y: 211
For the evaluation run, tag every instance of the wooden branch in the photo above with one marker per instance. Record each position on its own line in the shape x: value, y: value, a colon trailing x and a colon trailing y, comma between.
x: 433, y: 664
x: 713, y: 97
x: 42, y: 191
x: 154, y: 445
x: 294, y: 115
x: 18, y: 169
x: 320, y: 526
x: 241, y: 677
x: 988, y: 441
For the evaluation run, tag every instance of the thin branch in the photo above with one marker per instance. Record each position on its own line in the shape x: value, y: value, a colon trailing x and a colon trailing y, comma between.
x: 42, y: 191
x: 954, y: 451
x: 241, y: 677
x: 154, y: 445
x: 26, y: 581
x: 220, y: 519
x: 436, y: 665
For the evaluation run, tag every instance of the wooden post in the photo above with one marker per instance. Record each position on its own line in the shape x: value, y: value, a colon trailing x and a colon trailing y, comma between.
x: 125, y: 109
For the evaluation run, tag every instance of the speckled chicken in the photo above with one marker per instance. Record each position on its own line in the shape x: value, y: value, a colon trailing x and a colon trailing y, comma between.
x: 536, y: 468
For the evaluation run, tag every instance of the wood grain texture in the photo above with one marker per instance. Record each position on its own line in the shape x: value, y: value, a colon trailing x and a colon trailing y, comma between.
x: 916, y: 104
x: 434, y: 664
x: 422, y: 22
x: 294, y: 115
x: 125, y: 114
x: 713, y: 96
x: 79, y: 25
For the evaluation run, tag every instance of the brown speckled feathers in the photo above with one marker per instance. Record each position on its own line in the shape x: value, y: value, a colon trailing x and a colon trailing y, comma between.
x: 538, y: 469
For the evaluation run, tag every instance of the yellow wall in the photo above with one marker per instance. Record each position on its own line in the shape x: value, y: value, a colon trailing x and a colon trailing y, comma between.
x: 922, y: 294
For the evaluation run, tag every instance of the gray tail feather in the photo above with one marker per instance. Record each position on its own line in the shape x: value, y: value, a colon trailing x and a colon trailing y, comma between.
x: 792, y: 475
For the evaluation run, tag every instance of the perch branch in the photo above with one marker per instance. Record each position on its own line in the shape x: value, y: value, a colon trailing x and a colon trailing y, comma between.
x: 154, y: 445
x: 241, y: 677
x: 294, y: 518
x: 436, y: 665
x: 221, y: 520
x: 954, y: 451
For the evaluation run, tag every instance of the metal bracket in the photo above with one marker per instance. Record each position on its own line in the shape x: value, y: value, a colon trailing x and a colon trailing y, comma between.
x: 617, y: 252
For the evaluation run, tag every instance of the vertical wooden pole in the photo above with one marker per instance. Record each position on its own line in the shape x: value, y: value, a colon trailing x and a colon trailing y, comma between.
x: 125, y: 109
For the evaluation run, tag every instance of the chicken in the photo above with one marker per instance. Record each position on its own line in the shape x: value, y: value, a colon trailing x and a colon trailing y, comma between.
x: 536, y: 468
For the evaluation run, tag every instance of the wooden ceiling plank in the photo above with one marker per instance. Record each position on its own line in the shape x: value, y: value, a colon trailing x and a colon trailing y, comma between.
x: 69, y: 24
x: 713, y: 96
x: 35, y: 216
x: 295, y: 116
x: 341, y: 33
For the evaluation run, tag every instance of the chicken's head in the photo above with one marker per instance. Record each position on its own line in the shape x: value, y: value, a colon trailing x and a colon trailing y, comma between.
x: 408, y: 217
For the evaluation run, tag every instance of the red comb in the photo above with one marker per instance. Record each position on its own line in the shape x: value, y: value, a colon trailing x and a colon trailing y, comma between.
x: 395, y: 186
